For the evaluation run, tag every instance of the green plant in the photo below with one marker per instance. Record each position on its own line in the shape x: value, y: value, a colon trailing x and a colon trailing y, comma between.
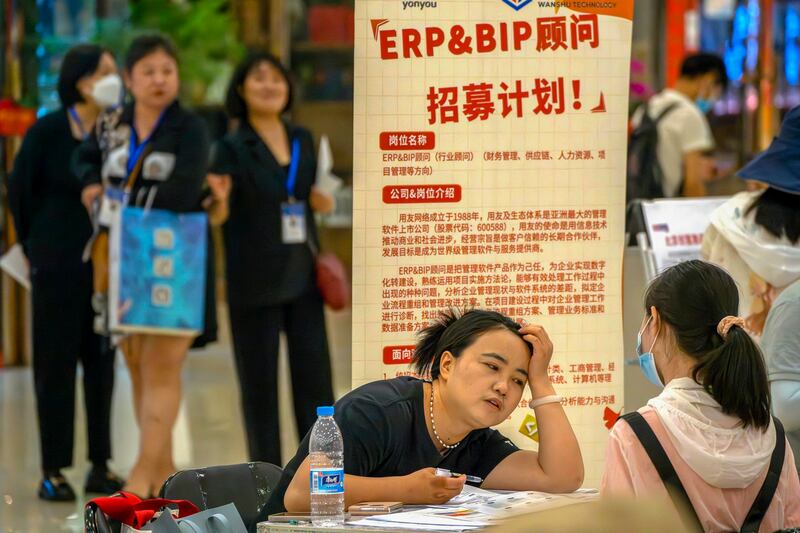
x: 204, y: 32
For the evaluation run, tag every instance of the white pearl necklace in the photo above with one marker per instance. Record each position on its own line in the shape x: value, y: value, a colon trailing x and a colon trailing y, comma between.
x: 433, y: 425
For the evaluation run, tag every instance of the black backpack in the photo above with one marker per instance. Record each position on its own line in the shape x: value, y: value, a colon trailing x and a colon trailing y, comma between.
x: 645, y: 177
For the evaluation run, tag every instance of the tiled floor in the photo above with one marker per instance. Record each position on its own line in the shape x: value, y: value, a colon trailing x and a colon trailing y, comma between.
x: 209, y: 429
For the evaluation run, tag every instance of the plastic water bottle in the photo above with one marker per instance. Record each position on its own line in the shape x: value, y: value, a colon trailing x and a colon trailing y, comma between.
x: 326, y: 459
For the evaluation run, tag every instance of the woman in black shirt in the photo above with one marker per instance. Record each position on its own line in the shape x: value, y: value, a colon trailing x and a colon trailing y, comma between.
x: 268, y: 250
x: 174, y: 146
x: 53, y: 228
x: 397, y: 431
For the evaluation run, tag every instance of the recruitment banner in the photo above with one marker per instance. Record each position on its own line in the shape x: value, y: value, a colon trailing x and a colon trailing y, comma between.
x: 489, y: 171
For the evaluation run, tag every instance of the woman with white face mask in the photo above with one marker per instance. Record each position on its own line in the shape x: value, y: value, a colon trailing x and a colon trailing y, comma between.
x: 53, y: 227
x: 709, y: 435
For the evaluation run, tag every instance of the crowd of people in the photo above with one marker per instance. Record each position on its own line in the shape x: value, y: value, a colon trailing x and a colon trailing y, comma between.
x: 97, y: 144
x: 721, y: 336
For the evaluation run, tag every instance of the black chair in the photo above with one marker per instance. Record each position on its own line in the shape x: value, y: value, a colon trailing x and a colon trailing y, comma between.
x: 247, y: 485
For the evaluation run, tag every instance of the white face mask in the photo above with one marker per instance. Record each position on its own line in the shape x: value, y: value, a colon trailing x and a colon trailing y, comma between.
x: 107, y: 91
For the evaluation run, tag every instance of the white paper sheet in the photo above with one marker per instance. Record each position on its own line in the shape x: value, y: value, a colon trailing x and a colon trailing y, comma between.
x: 475, y: 508
x: 470, y: 494
x: 368, y: 522
x: 458, y: 518
x: 326, y: 182
x: 15, y: 264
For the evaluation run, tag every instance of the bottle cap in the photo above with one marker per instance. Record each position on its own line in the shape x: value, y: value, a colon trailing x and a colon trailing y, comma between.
x: 325, y: 410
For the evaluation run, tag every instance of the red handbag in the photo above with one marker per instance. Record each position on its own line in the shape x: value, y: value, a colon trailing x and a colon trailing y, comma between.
x: 332, y: 281
x: 131, y: 510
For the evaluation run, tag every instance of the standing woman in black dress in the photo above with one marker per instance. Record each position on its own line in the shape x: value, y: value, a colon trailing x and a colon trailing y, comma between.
x: 270, y: 264
x: 53, y: 227
x: 173, y: 145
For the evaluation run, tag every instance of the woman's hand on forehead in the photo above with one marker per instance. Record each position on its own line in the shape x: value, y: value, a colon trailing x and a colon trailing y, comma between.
x: 542, y: 351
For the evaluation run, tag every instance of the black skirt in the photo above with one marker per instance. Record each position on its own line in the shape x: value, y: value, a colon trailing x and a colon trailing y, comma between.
x: 209, y: 333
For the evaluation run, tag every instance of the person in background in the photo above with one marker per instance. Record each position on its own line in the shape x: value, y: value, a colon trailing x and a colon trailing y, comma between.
x: 269, y: 236
x: 711, y: 424
x: 476, y: 366
x: 53, y: 227
x: 781, y: 345
x: 755, y: 235
x: 171, y: 146
x: 684, y: 136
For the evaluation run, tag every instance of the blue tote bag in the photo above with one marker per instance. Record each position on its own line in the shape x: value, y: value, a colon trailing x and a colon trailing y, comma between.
x: 157, y: 271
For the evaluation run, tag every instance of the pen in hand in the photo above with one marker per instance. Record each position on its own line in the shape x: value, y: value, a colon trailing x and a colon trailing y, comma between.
x: 443, y: 472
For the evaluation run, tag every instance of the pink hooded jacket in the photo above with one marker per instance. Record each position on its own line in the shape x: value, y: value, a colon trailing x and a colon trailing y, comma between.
x: 721, y: 465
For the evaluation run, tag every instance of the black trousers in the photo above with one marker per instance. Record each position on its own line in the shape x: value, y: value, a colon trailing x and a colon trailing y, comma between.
x: 255, y: 345
x: 63, y: 335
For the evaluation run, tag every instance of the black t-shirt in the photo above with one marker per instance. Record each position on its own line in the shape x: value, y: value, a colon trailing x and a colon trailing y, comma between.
x: 384, y: 432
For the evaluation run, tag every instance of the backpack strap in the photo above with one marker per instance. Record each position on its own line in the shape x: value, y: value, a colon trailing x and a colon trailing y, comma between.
x: 130, y: 181
x: 645, y: 112
x: 762, y: 502
x: 665, y: 470
x: 664, y: 112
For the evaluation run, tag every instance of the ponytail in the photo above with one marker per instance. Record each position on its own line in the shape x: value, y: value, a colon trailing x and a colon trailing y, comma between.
x: 695, y: 299
x: 735, y: 375
x: 453, y: 332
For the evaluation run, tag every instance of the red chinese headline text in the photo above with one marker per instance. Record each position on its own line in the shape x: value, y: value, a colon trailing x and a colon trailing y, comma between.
x: 479, y: 101
x: 548, y: 33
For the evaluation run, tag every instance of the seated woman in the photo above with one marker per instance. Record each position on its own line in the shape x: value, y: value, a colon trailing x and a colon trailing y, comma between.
x: 397, y: 431
x: 712, y: 421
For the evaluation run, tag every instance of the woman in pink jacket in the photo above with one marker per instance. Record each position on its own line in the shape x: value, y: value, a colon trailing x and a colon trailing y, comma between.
x: 708, y: 436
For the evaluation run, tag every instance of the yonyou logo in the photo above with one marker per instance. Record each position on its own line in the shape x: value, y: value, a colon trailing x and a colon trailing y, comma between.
x: 517, y: 4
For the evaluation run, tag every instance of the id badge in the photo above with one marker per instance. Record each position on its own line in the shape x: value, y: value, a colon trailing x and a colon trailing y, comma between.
x: 158, y: 166
x: 112, y: 200
x: 293, y: 222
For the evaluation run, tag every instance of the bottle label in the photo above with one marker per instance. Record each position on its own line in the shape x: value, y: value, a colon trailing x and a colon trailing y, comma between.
x: 327, y: 481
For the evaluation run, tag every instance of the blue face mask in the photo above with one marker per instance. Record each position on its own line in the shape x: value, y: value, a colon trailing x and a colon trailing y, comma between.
x: 646, y: 361
x: 704, y: 105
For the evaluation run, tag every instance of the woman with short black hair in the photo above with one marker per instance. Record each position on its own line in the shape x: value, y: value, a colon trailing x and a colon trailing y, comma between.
x: 53, y: 227
x: 170, y: 145
x: 474, y: 367
x: 270, y: 236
